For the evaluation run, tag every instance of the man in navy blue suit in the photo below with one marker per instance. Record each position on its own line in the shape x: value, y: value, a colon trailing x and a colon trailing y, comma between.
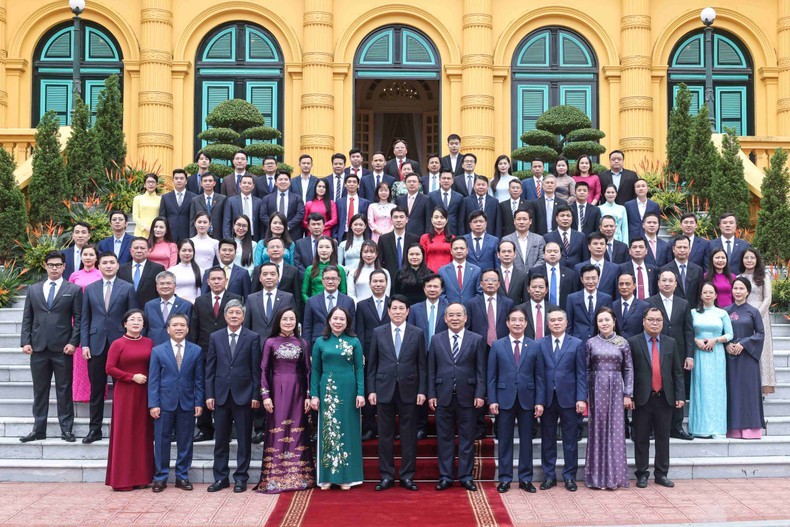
x: 516, y: 379
x: 732, y: 245
x: 238, y: 277
x: 461, y: 278
x: 104, y: 303
x: 159, y: 309
x: 304, y: 250
x: 658, y: 250
x: 583, y: 304
x: 452, y: 162
x: 118, y: 242
x: 243, y: 203
x: 482, y: 246
x: 533, y: 186
x: 265, y: 183
x: 335, y: 182
x: 175, y: 398
x: 689, y: 275
x: 356, y: 159
x: 559, y: 278
x: 141, y: 272
x: 212, y: 203
x: 418, y: 205
x: 699, y: 248
x: 565, y: 373
x: 430, y: 181
x: 233, y: 391
x: 465, y: 181
x: 303, y: 185
x: 545, y: 207
x: 596, y: 246
x: 572, y: 243
x: 349, y: 206
x: 481, y: 200
x: 645, y: 275
x: 616, y: 251
x: 319, y: 305
x: 449, y: 200
x: 638, y: 208
x: 174, y: 206
x: 194, y: 181
x: 287, y: 202
x: 628, y: 309
x: 589, y: 214
x: 80, y: 235
x: 369, y: 182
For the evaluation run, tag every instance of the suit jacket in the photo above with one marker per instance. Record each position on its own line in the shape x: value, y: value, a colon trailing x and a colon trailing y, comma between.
x: 295, y: 213
x: 68, y: 268
x: 420, y: 216
x: 425, y: 183
x: 367, y: 186
x: 578, y: 247
x: 177, y: 217
x: 581, y: 324
x: 99, y: 327
x: 509, y: 382
x: 529, y: 191
x: 518, y: 285
x: 454, y: 210
x: 535, y: 246
x: 635, y: 229
x: 229, y: 186
x: 627, y: 181
x: 478, y: 315
x: 460, y: 184
x: 631, y: 324
x: 592, y: 218
x: 487, y: 258
x: 193, y: 184
x: 303, y: 254
x: 671, y: 370
x: 694, y: 280
x: 663, y: 253
x: 700, y: 252
x: 262, y: 186
x: 566, y: 285
x: 466, y: 375
x: 239, y: 283
x: 386, y: 370
x: 360, y: 207
x: 171, y: 388
x: 234, y: 209
x: 146, y: 289
x: 203, y: 323
x: 255, y: 318
x: 506, y: 221
x: 620, y: 253
x: 362, y: 172
x: 539, y: 222
x: 296, y: 187
x: 490, y: 207
x: 51, y: 329
x: 331, y: 184
x: 367, y: 319
x: 217, y: 213
x: 652, y: 276
x: 680, y: 326
x: 391, y: 167
x: 108, y: 245
x: 546, y: 306
x: 418, y: 316
x: 238, y: 376
x: 289, y: 281
x: 315, y: 315
x: 471, y: 283
x: 739, y: 246
x: 565, y: 372
x: 388, y: 249
x: 156, y: 326
x: 607, y: 280
x: 447, y: 164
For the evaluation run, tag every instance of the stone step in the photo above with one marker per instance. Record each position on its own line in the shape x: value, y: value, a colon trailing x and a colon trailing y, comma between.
x: 13, y: 356
x: 10, y: 326
x: 775, y: 407
x: 11, y: 314
x: 17, y: 427
x: 781, y: 343
x: 24, y: 408
x: 783, y: 374
x: 781, y: 358
x: 780, y: 330
x: 782, y: 391
x: 9, y: 340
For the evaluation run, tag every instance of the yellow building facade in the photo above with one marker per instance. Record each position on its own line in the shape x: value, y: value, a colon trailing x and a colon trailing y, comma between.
x: 334, y: 74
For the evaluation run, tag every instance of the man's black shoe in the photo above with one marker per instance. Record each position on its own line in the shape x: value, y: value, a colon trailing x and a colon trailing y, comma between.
x: 91, y: 437
x: 159, y: 486
x: 257, y: 439
x: 665, y: 482
x: 681, y: 434
x: 218, y: 485
x: 385, y: 484
x: 469, y: 485
x: 408, y: 484
x: 444, y: 484
x: 503, y: 487
x: 68, y: 437
x: 367, y: 436
x: 240, y: 486
x: 546, y: 485
x: 527, y: 486
x: 202, y: 436
x: 641, y: 481
x: 33, y: 436
x: 183, y: 484
x: 571, y: 485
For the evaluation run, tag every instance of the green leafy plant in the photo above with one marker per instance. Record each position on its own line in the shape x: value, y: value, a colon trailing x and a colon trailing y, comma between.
x: 678, y: 133
x: 729, y: 192
x: 92, y: 212
x: 109, y: 125
x: 120, y: 186
x: 39, y: 241
x: 780, y: 292
x: 48, y: 184
x: 12, y: 279
x: 702, y: 161
x: 13, y: 214
x: 772, y: 234
x: 236, y: 124
x: 217, y: 169
x: 83, y: 155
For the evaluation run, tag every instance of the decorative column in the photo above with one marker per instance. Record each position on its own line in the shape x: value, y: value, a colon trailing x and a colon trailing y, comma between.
x: 318, y: 101
x: 155, y: 139
x: 3, y: 58
x: 783, y: 59
x: 477, y: 69
x: 636, y: 101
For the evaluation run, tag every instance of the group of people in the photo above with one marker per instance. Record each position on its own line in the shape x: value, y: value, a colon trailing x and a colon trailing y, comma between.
x: 304, y: 310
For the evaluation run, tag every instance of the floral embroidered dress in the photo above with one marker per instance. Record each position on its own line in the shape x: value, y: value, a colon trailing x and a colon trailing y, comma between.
x: 337, y: 379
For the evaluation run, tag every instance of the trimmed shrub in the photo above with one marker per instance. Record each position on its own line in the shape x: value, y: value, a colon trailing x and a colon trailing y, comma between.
x: 83, y: 155
x: 109, y: 125
x: 772, y: 234
x: 680, y: 123
x: 729, y: 191
x: 13, y: 215
x: 702, y: 160
x: 48, y: 186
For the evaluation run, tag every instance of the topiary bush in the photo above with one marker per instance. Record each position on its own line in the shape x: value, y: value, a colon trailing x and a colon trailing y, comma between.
x: 13, y: 214
x: 702, y: 160
x: 233, y: 123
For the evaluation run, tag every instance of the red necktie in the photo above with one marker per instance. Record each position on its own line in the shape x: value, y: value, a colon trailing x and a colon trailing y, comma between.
x: 400, y: 169
x: 516, y: 352
x: 538, y: 189
x: 460, y: 278
x: 656, y: 377
x: 216, y: 306
x: 507, y: 280
x: 538, y: 323
x: 350, y: 211
x: 640, y: 284
x: 491, y: 337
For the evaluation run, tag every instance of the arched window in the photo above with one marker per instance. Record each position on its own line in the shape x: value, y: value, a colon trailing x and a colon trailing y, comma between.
x: 53, y: 69
x: 733, y: 78
x: 239, y: 60
x: 552, y: 66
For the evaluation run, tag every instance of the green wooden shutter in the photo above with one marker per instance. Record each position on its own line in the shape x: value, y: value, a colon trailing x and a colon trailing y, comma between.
x: 222, y: 48
x: 91, y: 95
x: 56, y: 95
x: 214, y: 92
x: 533, y: 101
x: 731, y: 109
x: 578, y: 97
x: 98, y: 46
x: 263, y: 95
x: 697, y: 97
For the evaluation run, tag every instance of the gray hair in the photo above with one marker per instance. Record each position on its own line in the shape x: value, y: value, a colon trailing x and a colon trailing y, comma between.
x: 165, y: 274
x: 235, y: 303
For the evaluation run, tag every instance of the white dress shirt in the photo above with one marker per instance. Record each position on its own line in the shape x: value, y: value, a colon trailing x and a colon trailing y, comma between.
x: 460, y: 338
x: 668, y: 300
x: 48, y: 286
x: 183, y: 344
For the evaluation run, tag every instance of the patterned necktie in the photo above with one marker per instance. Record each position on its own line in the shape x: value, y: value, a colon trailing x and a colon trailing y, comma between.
x: 456, y: 348
x: 399, y: 251
x: 232, y: 345
x: 208, y: 204
x: 271, y: 184
x: 640, y: 284
x: 460, y: 277
x: 513, y: 206
x: 538, y: 189
x: 480, y: 202
x: 516, y: 351
x: 179, y: 356
x: 610, y: 251
x: 281, y: 208
x: 655, y: 379
x: 683, y: 276
x: 491, y: 335
x: 538, y: 322
x: 216, y: 306
x: 339, y: 189
x: 590, y: 307
x: 566, y: 243
x: 581, y: 218
x: 625, y: 309
x: 398, y: 343
x: 269, y: 306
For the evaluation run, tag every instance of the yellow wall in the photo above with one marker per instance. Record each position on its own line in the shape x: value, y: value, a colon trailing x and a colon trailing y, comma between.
x: 475, y: 38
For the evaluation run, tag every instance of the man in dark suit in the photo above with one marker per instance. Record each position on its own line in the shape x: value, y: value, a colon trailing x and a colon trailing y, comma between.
x: 658, y: 250
x: 238, y: 276
x: 645, y: 275
x: 195, y: 181
x: 678, y: 324
x: 480, y: 200
x: 489, y: 303
x: 590, y: 215
x: 176, y: 385
x: 461, y: 278
x: 449, y: 200
x: 596, y: 246
x: 336, y: 181
x: 174, y: 206
x: 50, y: 335
x: 157, y: 310
x: 699, y: 252
x: 456, y: 389
x: 689, y: 275
x: 348, y: 207
x: 233, y: 391
x: 622, y: 178
x: 627, y: 308
x: 118, y: 242
x: 533, y: 186
x: 430, y: 181
x: 515, y: 393
x: 583, y: 304
x: 565, y: 373
x: 211, y: 203
x: 732, y: 245
x: 207, y: 317
x: 318, y: 306
x: 243, y: 203
x: 394, y: 245
x: 573, y: 243
x: 288, y: 275
x: 369, y: 182
x: 452, y: 162
x: 638, y: 208
x: 286, y: 202
x: 513, y: 281
x: 304, y: 250
x: 397, y: 381
x: 658, y: 388
x: 262, y: 306
x: 537, y: 307
x: 465, y: 182
x: 394, y: 167
x: 560, y: 278
x: 482, y: 245
x: 547, y: 206
x: 616, y: 251
x: 141, y: 272
x: 80, y: 236
x: 231, y: 182
x: 418, y: 205
x: 304, y: 184
x: 356, y: 159
x: 265, y: 183
x: 103, y: 305
x: 508, y: 209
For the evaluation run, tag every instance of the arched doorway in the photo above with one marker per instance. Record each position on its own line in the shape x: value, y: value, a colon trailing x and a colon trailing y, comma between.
x: 397, y: 92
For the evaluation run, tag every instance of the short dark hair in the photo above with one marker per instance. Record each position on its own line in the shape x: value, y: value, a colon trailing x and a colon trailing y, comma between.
x: 431, y: 277
x: 687, y: 215
x: 179, y: 171
x: 226, y: 241
x: 477, y: 214
x: 269, y: 158
x: 613, y: 152
x: 502, y: 242
x: 582, y: 184
x: 354, y: 151
x: 518, y: 211
x: 562, y: 208
x: 518, y: 309
x: 589, y: 267
x: 538, y: 277
x: 174, y: 316
x: 464, y: 156
x: 727, y: 215
x: 338, y: 155
x: 453, y: 137
x: 269, y: 264
x: 400, y: 140
x: 204, y: 154
x: 81, y: 224
x: 209, y: 174
x: 637, y: 239
x: 399, y: 209
x: 595, y: 235
x: 240, y: 151
x: 413, y: 174
x: 116, y: 211
x: 315, y: 216
x: 138, y: 239
x: 653, y: 214
x: 305, y: 156
x: 215, y: 269
x: 333, y: 268
x: 398, y: 298
x: 431, y: 156
x: 352, y: 176
x: 56, y: 255
x: 107, y: 254
x: 680, y: 237
x: 459, y: 239
x: 650, y: 310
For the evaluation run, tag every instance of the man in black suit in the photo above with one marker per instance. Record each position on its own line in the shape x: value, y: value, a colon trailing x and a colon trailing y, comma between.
x: 658, y: 388
x: 207, y: 318
x: 238, y: 276
x: 356, y: 159
x: 513, y: 281
x: 729, y: 241
x: 304, y: 250
x: 50, y: 335
x: 623, y: 179
x: 465, y: 182
x: 430, y: 181
x: 547, y: 206
x: 397, y: 380
x: 452, y: 162
x: 537, y: 307
x: 195, y: 181
x: 304, y: 184
x: 456, y: 390
x: 318, y: 306
x: 288, y: 275
x: 174, y: 206
x: 449, y: 200
x: 627, y: 308
x: 658, y: 251
x: 616, y: 251
x: 418, y: 204
x: 590, y: 214
x: 507, y: 209
x: 699, y: 251
x: 689, y: 275
x: 394, y: 167
x: 103, y: 305
x: 141, y: 272
x: 336, y: 181
x: 80, y: 236
x: 559, y: 277
x: 263, y: 306
x: 287, y: 203
x: 265, y: 184
x: 118, y: 242
x: 394, y: 245
x: 209, y: 202
x: 369, y: 182
x: 678, y: 324
x: 645, y: 275
x: 230, y: 183
x: 243, y: 203
x: 480, y: 200
x: 573, y: 243
x: 233, y: 391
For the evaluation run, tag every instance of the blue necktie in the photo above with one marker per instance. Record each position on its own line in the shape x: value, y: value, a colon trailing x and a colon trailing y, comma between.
x: 431, y: 322
x: 271, y: 184
x: 208, y: 204
x: 399, y: 250
x: 398, y: 343
x: 553, y: 287
x: 556, y: 346
x: 51, y: 295
x: 136, y: 278
x: 268, y: 306
x: 238, y: 180
x: 456, y: 348
x: 590, y: 307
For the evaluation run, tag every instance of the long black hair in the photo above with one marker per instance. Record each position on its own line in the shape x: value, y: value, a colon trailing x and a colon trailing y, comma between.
x: 246, y: 242
x: 326, y: 199
x: 495, y: 179
x: 277, y: 331
x: 726, y: 271
x: 285, y: 236
x: 448, y: 236
x: 408, y: 277
x: 759, y: 266
x: 192, y: 263
x: 317, y: 260
x: 700, y: 303
x: 166, y: 238
x: 376, y: 263
x: 349, y: 235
